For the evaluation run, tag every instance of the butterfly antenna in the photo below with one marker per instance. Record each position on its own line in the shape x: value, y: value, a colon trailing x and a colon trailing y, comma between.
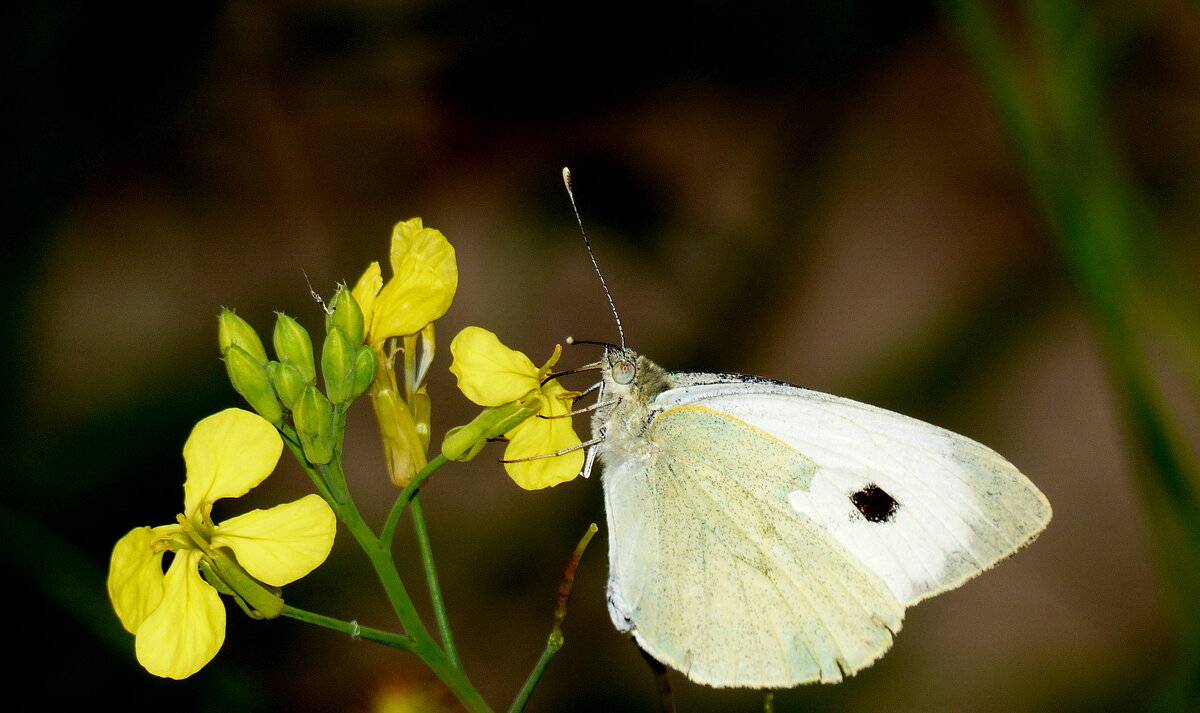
x: 572, y: 341
x: 567, y: 182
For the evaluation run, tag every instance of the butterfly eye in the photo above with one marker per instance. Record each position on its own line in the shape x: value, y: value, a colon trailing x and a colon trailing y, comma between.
x: 623, y: 371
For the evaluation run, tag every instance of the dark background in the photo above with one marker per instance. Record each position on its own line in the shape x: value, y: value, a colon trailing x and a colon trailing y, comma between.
x: 823, y: 193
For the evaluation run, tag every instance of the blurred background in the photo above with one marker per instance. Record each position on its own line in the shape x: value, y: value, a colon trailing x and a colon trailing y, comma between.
x: 980, y: 214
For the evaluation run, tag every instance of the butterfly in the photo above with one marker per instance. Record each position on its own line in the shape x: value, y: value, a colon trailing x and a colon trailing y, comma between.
x: 763, y: 535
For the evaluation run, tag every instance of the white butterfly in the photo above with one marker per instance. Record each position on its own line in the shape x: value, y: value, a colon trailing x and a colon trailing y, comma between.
x: 763, y: 535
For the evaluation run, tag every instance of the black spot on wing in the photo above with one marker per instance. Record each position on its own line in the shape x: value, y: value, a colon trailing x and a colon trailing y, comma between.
x: 875, y: 503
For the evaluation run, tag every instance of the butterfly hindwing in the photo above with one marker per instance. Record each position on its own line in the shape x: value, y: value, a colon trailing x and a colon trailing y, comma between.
x: 716, y: 574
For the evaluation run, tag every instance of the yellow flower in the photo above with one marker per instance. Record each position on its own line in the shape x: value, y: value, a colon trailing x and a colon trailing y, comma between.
x: 424, y: 280
x: 491, y: 374
x: 177, y: 617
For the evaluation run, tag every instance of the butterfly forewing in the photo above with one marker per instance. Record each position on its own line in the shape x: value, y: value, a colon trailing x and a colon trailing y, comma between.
x: 957, y: 507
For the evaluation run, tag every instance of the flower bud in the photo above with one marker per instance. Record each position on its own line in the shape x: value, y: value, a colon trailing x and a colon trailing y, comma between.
x: 249, y: 378
x: 293, y: 346
x: 347, y: 315
x: 289, y: 383
x: 232, y: 330
x: 364, y: 369
x: 338, y: 357
x: 313, y: 416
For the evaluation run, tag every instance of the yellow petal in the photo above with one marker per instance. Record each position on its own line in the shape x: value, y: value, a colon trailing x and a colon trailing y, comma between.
x: 227, y: 454
x: 366, y: 290
x: 135, y: 577
x: 539, y: 436
x: 489, y: 373
x: 188, y: 627
x: 281, y: 544
x: 424, y: 280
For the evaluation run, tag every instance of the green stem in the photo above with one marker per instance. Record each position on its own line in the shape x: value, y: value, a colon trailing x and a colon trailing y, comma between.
x: 535, y: 676
x: 333, y: 476
x: 431, y: 580
x: 389, y: 526
x: 351, y: 628
x: 292, y: 441
x: 378, y: 551
x: 424, y: 645
x: 339, y: 427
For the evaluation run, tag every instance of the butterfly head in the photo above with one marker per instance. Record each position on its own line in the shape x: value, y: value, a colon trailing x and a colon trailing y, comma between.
x: 623, y: 410
x: 630, y: 379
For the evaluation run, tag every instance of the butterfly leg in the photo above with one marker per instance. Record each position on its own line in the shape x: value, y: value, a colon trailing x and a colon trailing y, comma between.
x: 662, y: 678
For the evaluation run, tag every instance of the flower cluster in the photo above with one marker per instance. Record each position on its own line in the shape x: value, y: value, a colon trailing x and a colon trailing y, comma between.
x: 379, y: 340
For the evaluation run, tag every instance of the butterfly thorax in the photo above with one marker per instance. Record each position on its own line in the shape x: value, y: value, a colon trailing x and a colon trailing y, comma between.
x: 631, y: 382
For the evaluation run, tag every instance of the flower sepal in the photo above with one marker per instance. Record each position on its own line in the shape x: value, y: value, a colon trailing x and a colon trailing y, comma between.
x: 401, y: 443
x: 462, y: 443
x: 258, y: 600
x: 364, y: 370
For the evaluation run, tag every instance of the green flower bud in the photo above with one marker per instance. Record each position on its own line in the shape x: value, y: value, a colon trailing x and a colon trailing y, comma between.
x: 249, y: 378
x: 346, y: 315
x: 232, y: 330
x: 293, y: 346
x: 464, y: 442
x: 289, y: 383
x: 313, y: 416
x: 364, y: 369
x: 338, y: 357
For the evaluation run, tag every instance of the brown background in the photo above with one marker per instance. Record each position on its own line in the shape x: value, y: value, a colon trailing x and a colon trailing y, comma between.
x: 820, y: 193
